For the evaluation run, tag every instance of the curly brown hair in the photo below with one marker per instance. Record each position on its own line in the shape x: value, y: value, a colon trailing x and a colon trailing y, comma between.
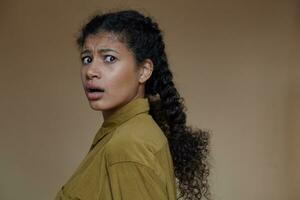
x: 188, y: 146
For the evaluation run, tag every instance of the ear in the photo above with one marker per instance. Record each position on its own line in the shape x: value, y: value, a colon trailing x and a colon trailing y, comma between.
x: 146, y: 69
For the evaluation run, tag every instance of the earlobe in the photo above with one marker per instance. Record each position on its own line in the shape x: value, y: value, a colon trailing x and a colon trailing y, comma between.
x: 146, y: 70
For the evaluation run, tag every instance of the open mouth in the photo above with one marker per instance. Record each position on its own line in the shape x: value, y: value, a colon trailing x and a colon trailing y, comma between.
x: 94, y: 94
x: 94, y: 90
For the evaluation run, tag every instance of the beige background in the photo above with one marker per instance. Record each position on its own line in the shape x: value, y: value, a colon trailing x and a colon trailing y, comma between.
x: 236, y: 63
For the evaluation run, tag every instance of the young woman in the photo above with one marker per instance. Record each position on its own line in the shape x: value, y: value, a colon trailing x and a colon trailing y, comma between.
x: 144, y: 149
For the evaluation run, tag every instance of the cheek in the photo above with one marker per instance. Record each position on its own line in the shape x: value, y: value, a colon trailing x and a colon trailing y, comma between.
x: 123, y: 80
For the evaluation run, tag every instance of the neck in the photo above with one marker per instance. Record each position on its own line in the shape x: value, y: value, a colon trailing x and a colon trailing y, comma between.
x: 107, y: 113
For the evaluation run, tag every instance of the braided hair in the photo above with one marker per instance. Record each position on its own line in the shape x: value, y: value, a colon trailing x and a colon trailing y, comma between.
x: 188, y: 146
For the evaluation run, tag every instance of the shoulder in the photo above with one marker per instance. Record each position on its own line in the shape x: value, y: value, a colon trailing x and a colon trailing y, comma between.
x: 136, y: 140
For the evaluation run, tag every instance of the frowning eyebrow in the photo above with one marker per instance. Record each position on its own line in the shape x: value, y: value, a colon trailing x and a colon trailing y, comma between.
x: 103, y: 50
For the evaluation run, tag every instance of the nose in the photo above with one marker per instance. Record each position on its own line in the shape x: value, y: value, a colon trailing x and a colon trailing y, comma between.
x: 93, y: 71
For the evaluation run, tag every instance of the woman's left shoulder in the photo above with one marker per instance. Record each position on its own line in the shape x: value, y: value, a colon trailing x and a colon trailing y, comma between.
x: 137, y: 140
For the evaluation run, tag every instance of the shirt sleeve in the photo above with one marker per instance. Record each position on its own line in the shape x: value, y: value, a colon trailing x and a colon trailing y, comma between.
x: 135, y: 181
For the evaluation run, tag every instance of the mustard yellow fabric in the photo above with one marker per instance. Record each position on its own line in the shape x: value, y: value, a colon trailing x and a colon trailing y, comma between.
x: 129, y: 160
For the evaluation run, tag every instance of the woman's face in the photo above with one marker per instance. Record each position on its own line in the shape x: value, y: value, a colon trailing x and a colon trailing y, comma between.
x: 109, y: 66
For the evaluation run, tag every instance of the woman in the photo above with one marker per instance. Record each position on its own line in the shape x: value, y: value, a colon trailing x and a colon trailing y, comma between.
x: 143, y: 145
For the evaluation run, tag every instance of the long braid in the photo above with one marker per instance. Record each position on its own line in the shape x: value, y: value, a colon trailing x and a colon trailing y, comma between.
x: 188, y: 148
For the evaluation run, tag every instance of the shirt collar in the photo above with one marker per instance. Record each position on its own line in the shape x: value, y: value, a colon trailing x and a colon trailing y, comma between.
x: 124, y: 113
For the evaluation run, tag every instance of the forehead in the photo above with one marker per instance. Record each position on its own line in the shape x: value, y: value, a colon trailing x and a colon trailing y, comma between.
x: 104, y: 40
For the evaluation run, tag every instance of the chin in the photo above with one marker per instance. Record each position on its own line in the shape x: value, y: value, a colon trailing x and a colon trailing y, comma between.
x: 96, y: 106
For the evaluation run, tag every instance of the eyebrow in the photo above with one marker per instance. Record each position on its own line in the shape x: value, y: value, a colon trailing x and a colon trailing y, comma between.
x: 102, y: 50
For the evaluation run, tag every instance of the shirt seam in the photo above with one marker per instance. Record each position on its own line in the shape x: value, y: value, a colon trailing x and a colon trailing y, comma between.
x: 130, y: 161
x: 138, y: 163
x: 154, y: 153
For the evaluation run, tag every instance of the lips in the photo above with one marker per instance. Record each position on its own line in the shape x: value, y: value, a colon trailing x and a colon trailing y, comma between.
x: 94, y: 92
x: 93, y: 88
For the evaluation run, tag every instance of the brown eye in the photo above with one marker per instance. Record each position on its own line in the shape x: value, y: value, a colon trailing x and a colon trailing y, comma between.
x: 109, y: 59
x: 86, y: 60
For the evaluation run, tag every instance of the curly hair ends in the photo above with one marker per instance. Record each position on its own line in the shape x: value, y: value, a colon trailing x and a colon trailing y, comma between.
x: 189, y: 148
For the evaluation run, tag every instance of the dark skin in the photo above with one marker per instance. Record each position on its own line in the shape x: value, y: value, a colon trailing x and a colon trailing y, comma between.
x: 109, y: 64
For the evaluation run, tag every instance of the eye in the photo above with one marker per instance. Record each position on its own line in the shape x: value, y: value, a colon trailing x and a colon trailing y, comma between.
x: 86, y: 60
x: 109, y: 59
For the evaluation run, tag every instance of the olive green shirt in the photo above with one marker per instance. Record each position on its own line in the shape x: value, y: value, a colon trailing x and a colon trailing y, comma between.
x: 129, y: 160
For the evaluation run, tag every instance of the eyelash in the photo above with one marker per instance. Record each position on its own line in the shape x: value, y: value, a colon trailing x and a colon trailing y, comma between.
x: 114, y: 58
x: 84, y: 58
x: 104, y: 57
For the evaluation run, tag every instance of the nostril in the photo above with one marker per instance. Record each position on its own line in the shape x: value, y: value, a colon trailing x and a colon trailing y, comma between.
x: 90, y: 74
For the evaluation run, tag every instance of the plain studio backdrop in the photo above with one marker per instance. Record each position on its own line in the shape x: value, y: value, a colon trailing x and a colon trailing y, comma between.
x: 236, y: 63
